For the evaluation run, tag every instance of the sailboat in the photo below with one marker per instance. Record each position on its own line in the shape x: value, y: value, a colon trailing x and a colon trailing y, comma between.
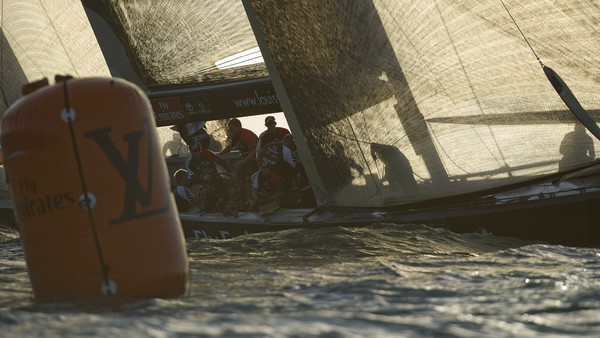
x: 461, y: 98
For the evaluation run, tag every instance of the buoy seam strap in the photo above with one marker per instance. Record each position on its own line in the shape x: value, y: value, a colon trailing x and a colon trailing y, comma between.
x: 84, y: 187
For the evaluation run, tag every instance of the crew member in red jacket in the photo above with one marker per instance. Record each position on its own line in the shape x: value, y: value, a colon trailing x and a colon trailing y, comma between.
x: 245, y: 141
x: 272, y: 134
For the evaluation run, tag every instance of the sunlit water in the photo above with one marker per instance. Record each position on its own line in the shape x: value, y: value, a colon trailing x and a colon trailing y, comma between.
x: 381, y: 281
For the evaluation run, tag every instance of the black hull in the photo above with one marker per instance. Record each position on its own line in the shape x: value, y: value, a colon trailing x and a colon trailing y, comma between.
x: 570, y: 220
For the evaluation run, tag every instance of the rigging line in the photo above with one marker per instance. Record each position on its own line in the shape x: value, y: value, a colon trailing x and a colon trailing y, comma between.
x: 522, y: 34
x: 86, y: 200
x: 399, y: 139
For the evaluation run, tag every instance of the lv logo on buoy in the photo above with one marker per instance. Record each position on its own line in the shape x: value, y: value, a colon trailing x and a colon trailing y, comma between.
x: 128, y: 170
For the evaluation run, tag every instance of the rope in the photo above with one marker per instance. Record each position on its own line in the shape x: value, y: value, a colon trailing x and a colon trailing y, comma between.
x: 103, y: 265
x: 523, y: 35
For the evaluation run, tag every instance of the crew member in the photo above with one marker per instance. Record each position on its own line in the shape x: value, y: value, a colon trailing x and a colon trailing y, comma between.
x: 245, y: 141
x: 184, y: 197
x: 272, y: 134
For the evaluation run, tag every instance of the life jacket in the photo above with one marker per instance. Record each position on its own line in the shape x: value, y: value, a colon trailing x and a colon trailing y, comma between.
x: 245, y: 141
x: 267, y: 137
x: 272, y: 155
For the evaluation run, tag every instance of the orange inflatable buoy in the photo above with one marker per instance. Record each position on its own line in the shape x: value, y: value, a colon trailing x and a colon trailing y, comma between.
x: 91, y: 192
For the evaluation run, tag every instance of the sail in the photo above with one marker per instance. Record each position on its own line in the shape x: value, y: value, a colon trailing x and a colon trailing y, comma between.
x: 390, y: 101
x: 170, y: 48
x: 407, y: 101
x: 175, y: 43
x: 43, y: 38
x: 40, y: 39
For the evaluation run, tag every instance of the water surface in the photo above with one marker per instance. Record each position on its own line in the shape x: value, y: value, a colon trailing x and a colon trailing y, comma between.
x: 381, y: 281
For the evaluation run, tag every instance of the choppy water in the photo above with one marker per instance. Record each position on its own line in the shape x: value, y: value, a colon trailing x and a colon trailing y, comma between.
x: 383, y: 281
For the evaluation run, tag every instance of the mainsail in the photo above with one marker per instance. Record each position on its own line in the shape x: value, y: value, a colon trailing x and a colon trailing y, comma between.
x: 361, y: 73
x: 391, y: 101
